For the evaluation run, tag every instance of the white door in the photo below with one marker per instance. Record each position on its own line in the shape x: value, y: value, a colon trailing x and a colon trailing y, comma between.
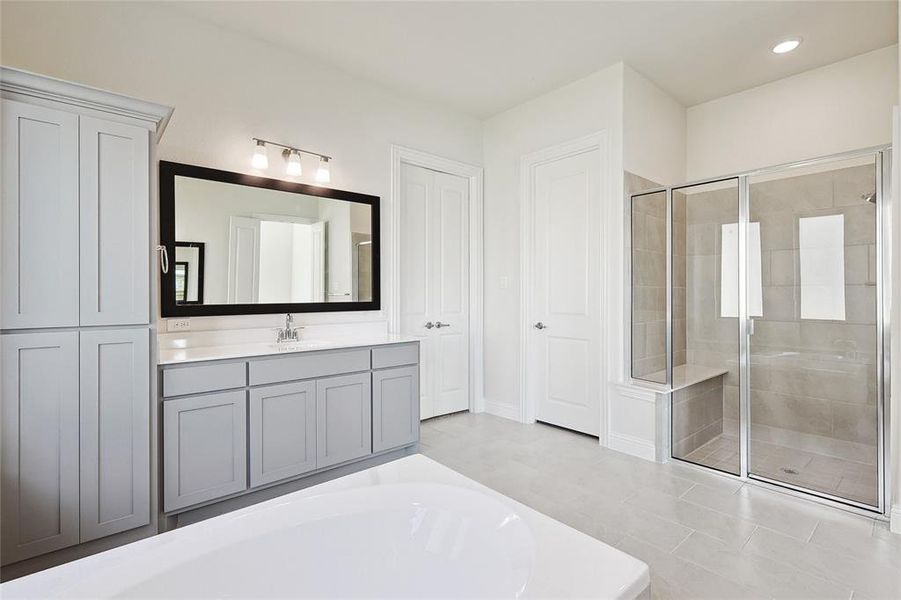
x: 243, y: 260
x: 564, y: 349
x: 434, y: 283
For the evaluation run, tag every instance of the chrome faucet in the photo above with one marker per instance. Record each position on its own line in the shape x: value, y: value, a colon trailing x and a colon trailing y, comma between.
x: 289, y: 333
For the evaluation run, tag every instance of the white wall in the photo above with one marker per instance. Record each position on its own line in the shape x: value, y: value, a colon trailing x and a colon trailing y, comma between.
x: 654, y: 130
x: 227, y: 88
x: 276, y: 271
x: 839, y: 107
x: 586, y: 106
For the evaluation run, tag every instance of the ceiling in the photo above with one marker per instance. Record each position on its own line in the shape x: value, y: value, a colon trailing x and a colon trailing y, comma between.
x: 485, y: 57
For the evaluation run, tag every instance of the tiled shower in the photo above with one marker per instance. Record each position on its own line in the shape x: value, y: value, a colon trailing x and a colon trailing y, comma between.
x: 776, y: 376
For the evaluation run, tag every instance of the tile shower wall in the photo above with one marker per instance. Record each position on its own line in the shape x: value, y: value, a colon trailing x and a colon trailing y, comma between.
x: 648, y: 227
x: 697, y: 415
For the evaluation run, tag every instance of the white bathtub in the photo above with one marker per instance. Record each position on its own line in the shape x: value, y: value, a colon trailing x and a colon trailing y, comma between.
x: 407, y: 529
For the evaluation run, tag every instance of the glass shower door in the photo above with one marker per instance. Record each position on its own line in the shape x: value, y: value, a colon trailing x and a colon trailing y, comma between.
x: 814, y: 336
x: 705, y: 339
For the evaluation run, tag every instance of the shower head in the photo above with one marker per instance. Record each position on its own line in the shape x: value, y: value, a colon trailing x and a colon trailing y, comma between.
x: 869, y: 197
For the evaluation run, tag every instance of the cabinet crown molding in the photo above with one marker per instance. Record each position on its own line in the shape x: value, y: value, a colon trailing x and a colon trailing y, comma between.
x: 18, y: 83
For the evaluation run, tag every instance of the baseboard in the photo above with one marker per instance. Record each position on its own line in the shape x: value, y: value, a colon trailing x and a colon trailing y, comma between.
x: 631, y: 445
x: 502, y: 410
x: 895, y: 516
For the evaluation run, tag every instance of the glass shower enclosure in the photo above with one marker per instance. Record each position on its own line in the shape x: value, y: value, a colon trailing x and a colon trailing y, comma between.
x: 759, y: 304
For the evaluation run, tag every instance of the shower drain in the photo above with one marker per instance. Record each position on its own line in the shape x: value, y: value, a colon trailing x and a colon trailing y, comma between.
x: 789, y: 471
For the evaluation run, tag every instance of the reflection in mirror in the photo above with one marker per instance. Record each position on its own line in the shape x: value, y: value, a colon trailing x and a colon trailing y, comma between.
x: 189, y: 272
x: 268, y: 246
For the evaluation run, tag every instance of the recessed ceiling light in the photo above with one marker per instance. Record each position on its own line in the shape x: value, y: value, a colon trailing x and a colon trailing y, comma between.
x: 786, y: 46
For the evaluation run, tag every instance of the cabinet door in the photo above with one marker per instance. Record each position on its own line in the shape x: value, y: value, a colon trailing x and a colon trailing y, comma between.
x: 115, y: 223
x: 204, y: 448
x: 344, y: 418
x: 115, y: 431
x: 395, y: 407
x: 39, y: 216
x: 40, y: 443
x: 282, y: 431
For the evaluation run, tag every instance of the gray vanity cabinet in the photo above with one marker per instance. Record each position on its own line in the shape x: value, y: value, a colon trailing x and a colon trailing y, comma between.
x: 344, y: 418
x: 114, y: 202
x: 395, y: 407
x: 115, y: 430
x: 39, y: 443
x: 306, y: 413
x: 75, y: 243
x: 282, y: 431
x: 204, y: 447
x: 39, y: 217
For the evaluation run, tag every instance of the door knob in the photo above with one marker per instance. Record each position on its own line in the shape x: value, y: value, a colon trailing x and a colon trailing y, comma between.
x: 539, y: 325
x: 429, y: 325
x: 439, y: 324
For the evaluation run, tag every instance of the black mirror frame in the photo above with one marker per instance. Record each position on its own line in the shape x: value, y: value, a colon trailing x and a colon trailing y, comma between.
x: 169, y: 308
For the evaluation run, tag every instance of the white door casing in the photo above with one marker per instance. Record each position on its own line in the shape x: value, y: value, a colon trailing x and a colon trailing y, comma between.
x: 434, y: 270
x: 318, y: 249
x: 562, y: 287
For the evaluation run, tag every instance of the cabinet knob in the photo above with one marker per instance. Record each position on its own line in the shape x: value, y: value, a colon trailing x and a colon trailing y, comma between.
x: 429, y: 325
x: 539, y: 325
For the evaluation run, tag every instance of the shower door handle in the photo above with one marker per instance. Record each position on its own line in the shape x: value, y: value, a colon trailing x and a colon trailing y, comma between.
x: 750, y: 326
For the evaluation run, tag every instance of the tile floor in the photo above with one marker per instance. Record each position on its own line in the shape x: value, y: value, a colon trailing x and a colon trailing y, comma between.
x: 843, y: 478
x: 704, y: 536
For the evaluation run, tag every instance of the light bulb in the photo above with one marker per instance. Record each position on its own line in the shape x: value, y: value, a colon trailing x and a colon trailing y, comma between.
x: 322, y: 173
x: 293, y: 167
x: 260, y: 159
x: 786, y: 46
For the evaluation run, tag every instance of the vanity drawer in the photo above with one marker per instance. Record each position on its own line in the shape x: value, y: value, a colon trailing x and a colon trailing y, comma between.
x: 395, y: 356
x: 308, y: 366
x: 204, y: 378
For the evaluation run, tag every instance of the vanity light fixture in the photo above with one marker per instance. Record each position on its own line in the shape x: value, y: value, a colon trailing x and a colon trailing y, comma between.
x: 292, y: 156
x: 293, y: 167
x: 260, y: 160
x: 786, y: 45
x: 322, y: 173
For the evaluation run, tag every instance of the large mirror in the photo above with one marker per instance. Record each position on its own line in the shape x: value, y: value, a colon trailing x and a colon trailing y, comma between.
x: 239, y: 244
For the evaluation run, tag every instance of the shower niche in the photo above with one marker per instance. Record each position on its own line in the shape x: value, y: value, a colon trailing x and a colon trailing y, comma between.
x: 757, y: 308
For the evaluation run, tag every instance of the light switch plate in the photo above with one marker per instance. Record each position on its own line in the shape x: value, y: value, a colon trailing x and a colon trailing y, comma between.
x: 179, y: 325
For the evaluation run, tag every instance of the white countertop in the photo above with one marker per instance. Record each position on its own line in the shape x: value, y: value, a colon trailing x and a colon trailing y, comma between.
x: 173, y: 356
x: 411, y: 528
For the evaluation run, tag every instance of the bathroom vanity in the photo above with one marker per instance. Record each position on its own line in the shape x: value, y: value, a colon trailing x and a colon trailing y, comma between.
x: 241, y: 418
